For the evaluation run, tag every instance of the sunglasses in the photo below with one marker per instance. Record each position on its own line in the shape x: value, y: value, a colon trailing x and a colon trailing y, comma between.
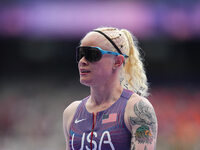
x: 93, y: 54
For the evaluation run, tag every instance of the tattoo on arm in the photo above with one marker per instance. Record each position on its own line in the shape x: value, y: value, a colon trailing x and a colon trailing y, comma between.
x: 147, y: 121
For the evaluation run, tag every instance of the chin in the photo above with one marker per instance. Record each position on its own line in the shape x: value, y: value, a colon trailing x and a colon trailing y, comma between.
x: 86, y: 82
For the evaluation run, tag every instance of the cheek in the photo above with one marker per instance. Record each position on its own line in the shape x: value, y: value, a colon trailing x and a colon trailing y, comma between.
x: 104, y: 70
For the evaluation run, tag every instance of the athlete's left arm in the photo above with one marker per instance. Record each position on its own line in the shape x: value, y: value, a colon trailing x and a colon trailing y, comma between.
x: 142, y: 122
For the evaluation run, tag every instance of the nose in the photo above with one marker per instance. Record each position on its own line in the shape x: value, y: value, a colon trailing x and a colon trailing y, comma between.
x: 83, y: 62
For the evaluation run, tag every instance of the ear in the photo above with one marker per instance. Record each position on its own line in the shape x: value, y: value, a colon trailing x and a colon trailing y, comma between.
x: 118, y: 61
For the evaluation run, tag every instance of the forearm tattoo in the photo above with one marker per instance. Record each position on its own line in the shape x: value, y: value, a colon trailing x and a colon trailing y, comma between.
x: 147, y: 121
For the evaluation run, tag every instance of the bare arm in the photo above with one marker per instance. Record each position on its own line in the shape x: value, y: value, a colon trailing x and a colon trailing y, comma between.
x: 66, y: 133
x: 68, y: 115
x: 142, y: 122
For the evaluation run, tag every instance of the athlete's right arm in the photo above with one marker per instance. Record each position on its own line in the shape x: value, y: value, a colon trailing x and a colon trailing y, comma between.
x: 68, y: 116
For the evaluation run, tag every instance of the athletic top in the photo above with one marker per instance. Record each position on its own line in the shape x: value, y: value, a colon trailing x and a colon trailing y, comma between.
x: 109, y: 132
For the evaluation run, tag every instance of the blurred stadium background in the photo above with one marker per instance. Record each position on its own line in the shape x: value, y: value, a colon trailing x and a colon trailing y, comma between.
x: 39, y: 77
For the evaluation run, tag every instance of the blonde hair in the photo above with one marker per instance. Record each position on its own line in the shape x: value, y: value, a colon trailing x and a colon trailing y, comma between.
x: 133, y: 75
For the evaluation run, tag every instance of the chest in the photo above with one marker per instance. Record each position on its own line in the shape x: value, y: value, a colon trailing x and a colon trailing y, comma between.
x: 103, y: 131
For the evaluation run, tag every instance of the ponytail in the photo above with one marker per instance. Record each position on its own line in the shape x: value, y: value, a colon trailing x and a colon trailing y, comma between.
x: 133, y: 69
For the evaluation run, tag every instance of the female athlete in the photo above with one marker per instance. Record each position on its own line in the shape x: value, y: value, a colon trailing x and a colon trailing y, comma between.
x: 116, y: 115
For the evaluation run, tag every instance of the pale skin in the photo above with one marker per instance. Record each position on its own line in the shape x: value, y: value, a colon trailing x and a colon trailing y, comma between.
x: 105, y: 89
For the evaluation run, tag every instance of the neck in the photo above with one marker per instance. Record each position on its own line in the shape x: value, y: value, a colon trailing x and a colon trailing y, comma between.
x: 107, y: 93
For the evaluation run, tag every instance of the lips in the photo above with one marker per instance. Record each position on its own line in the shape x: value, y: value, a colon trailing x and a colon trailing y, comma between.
x: 84, y: 71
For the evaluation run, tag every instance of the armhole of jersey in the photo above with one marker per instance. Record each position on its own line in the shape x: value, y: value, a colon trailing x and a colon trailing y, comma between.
x: 124, y: 123
x: 77, y: 108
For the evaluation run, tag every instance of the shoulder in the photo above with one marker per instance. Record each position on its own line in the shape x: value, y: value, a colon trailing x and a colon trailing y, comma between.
x: 141, y: 120
x: 68, y: 114
x: 139, y: 107
x: 138, y: 101
x: 71, y: 108
x: 135, y: 98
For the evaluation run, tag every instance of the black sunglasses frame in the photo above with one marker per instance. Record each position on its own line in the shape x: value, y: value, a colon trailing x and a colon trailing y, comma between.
x: 93, y: 54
